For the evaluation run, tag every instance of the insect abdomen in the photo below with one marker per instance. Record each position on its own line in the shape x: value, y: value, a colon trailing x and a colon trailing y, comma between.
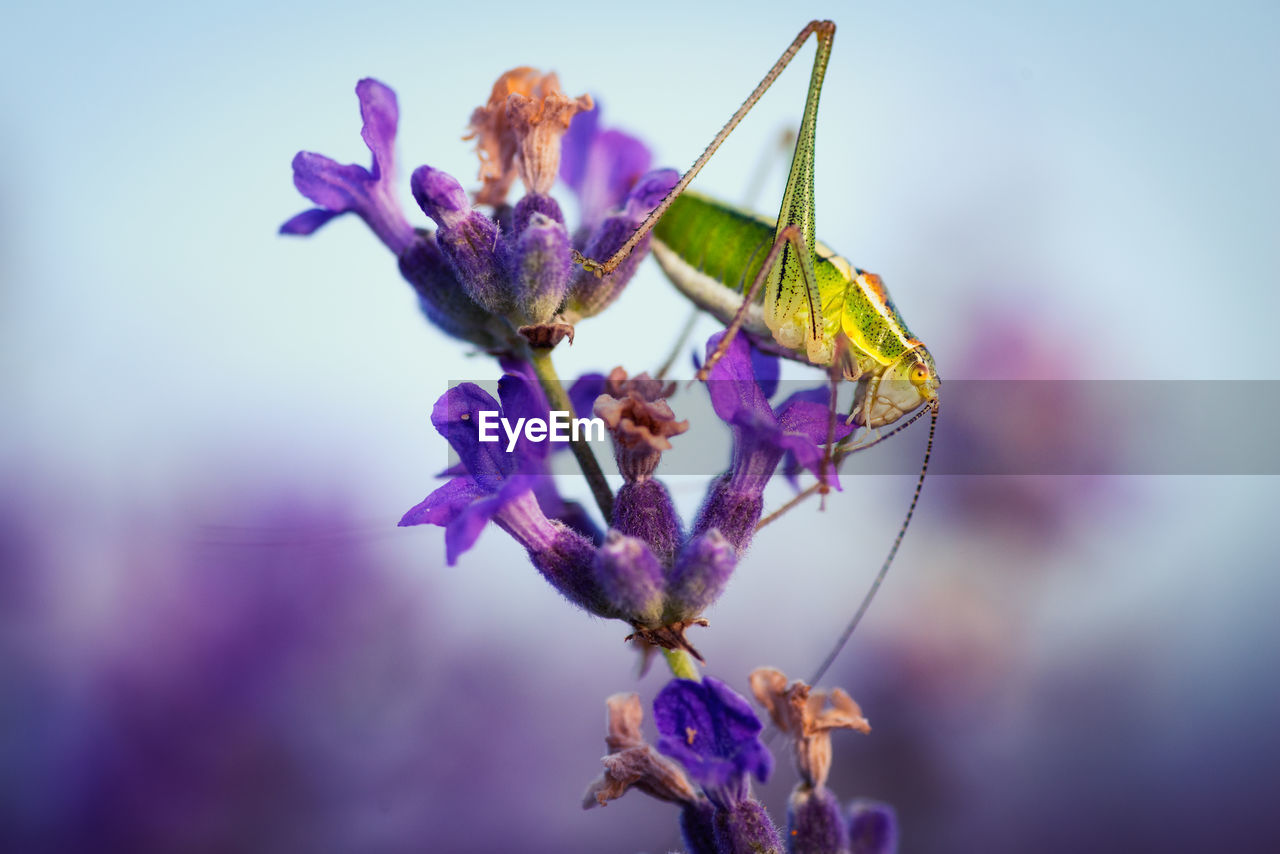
x: 726, y: 244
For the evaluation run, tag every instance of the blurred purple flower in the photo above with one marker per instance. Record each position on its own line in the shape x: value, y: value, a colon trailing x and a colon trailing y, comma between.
x: 873, y: 828
x: 600, y: 166
x: 339, y: 189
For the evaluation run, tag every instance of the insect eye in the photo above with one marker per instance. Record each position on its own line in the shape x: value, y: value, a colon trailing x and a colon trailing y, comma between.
x: 920, y: 373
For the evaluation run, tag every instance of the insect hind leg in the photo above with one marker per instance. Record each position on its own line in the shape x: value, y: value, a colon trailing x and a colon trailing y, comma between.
x: 787, y: 235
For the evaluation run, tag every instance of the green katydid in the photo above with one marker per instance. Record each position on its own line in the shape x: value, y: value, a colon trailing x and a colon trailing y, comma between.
x: 803, y: 301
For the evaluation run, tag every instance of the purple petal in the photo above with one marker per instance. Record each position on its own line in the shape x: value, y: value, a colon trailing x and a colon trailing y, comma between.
x: 806, y: 418
x: 575, y: 146
x: 381, y: 114
x: 308, y: 221
x: 456, y: 416
x: 650, y: 189
x: 809, y: 414
x: 737, y: 724
x: 445, y: 504
x: 735, y: 395
x: 464, y: 529
x: 600, y: 166
x: 584, y: 391
x: 523, y: 398
x: 766, y: 368
x: 680, y: 712
x: 330, y: 184
x: 340, y: 188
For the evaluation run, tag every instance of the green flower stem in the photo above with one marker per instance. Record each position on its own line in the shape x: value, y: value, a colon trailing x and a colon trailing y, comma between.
x: 559, y: 399
x: 681, y: 664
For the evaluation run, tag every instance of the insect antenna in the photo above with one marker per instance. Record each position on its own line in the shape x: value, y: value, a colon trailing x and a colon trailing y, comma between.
x: 840, y: 456
x: 893, y: 551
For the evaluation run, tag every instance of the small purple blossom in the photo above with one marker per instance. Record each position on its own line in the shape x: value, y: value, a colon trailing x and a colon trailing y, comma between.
x: 762, y: 436
x: 339, y: 189
x: 493, y: 484
x: 712, y: 731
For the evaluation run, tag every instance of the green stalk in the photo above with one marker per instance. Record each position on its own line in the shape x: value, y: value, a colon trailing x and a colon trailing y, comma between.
x: 681, y: 664
x: 559, y: 399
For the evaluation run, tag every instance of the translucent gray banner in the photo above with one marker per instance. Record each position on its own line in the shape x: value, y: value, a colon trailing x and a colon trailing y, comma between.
x: 1069, y: 427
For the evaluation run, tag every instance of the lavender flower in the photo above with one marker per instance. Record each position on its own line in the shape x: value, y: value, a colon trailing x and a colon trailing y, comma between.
x: 502, y: 486
x: 762, y: 436
x: 713, y: 733
x: 369, y: 193
x: 523, y: 270
x: 479, y: 278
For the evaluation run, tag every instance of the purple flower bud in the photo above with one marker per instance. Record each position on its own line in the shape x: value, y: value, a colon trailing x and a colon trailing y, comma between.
x: 731, y: 509
x: 541, y: 263
x: 643, y: 510
x: 531, y: 204
x: 697, y: 826
x: 443, y: 299
x: 590, y: 295
x: 873, y: 828
x: 440, y: 196
x: 468, y: 239
x: 815, y: 822
x: 745, y: 828
x: 699, y: 576
x: 631, y: 579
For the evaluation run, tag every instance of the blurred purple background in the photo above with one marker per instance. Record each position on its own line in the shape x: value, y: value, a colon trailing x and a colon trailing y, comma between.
x: 214, y: 638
